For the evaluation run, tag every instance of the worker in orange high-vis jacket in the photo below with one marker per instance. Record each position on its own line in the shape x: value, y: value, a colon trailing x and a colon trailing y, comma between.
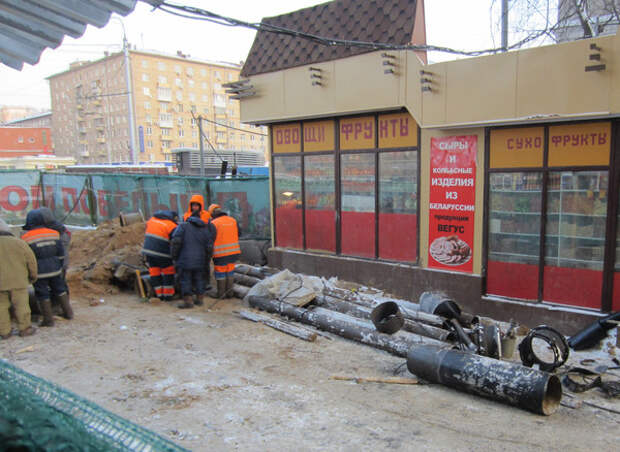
x: 156, y: 249
x: 226, y: 252
x: 47, y: 248
x: 197, y: 204
x: 212, y: 207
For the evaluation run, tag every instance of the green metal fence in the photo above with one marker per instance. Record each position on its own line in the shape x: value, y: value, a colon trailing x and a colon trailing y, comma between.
x: 89, y: 199
x: 37, y: 415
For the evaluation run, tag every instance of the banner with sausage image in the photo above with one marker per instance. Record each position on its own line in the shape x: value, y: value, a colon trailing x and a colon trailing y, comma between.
x: 452, y: 203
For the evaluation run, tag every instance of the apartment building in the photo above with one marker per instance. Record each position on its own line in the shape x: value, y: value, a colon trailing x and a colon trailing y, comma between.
x: 90, y: 111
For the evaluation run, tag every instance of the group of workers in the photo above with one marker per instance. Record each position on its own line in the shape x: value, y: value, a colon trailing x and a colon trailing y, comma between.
x: 39, y: 258
x: 185, y: 249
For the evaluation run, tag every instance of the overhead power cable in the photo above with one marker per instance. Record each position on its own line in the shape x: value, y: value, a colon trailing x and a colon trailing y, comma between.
x: 191, y: 12
x: 206, y: 139
x: 234, y: 128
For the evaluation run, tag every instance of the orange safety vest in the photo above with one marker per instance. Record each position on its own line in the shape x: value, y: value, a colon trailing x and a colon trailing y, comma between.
x: 227, y: 238
x: 160, y: 228
x: 157, y: 237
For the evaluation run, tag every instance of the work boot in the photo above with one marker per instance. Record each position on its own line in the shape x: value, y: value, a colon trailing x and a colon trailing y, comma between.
x: 27, y: 332
x: 198, y: 300
x: 67, y: 310
x: 187, y: 303
x: 221, y: 288
x: 46, y: 309
x: 230, y: 280
x: 5, y: 336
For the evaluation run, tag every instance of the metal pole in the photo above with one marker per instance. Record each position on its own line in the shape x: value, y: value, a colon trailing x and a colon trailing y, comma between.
x: 132, y: 124
x: 504, y: 25
x: 202, y: 148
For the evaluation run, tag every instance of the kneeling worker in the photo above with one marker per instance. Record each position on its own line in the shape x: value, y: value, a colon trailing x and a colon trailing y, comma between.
x: 226, y: 252
x: 191, y: 244
x: 18, y: 268
x: 156, y: 249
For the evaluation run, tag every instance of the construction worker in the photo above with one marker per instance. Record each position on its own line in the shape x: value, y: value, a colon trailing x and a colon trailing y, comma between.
x: 65, y: 238
x: 48, y: 249
x: 226, y: 252
x: 156, y: 249
x: 191, y: 246
x: 18, y: 269
x: 212, y: 207
x: 197, y: 204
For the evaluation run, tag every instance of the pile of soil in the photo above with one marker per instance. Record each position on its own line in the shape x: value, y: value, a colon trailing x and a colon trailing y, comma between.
x: 95, y: 254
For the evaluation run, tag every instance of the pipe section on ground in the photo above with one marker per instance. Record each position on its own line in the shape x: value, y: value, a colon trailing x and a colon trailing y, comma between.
x: 345, y: 326
x: 361, y: 312
x: 530, y: 389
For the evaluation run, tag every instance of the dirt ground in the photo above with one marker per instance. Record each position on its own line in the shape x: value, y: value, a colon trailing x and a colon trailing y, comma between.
x: 211, y: 381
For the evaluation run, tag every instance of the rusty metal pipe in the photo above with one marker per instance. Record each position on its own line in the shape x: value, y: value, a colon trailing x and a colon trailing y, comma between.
x: 514, y: 384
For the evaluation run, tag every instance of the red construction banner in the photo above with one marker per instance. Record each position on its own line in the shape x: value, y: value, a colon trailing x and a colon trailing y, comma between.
x: 452, y: 203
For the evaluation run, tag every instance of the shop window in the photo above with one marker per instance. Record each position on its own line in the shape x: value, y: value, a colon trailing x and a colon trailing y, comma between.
x: 575, y: 237
x: 398, y: 206
x: 574, y: 213
x: 358, y: 204
x: 320, y: 205
x: 288, y: 202
x: 515, y: 201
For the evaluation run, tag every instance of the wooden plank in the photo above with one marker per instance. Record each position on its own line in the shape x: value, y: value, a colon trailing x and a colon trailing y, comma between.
x: 279, y: 325
x: 394, y: 381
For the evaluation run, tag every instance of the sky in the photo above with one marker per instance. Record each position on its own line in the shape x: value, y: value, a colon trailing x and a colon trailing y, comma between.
x: 452, y: 23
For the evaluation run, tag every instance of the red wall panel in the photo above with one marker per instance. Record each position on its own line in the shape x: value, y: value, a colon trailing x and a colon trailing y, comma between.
x: 573, y: 286
x: 321, y: 230
x: 358, y: 234
x: 398, y: 236
x: 509, y: 279
x: 288, y: 227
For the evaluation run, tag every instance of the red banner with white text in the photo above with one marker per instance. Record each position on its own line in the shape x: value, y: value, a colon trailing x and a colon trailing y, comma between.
x: 452, y: 203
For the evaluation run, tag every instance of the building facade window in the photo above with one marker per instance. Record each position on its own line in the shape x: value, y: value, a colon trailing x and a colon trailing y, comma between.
x: 547, y: 213
x: 347, y: 186
x: 146, y: 91
x: 161, y: 66
x: 145, y: 77
x: 162, y: 79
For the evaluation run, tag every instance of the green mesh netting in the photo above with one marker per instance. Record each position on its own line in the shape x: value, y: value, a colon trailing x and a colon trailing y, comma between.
x: 247, y: 200
x: 89, y: 199
x: 37, y: 415
x: 19, y: 193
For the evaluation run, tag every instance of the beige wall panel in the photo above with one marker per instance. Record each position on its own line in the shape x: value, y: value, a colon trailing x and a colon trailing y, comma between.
x: 425, y: 161
x: 610, y: 57
x: 361, y: 84
x: 481, y: 88
x: 552, y: 80
x: 433, y: 103
x: 301, y: 98
x: 412, y: 88
x: 268, y: 105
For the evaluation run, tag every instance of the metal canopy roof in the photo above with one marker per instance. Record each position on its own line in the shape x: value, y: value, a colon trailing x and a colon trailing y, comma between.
x: 27, y: 27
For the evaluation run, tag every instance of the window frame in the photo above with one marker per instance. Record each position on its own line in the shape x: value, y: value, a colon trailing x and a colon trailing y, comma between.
x: 337, y: 153
x: 613, y: 174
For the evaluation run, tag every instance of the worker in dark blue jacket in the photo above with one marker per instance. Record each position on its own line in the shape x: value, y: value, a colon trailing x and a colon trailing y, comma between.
x: 191, y: 246
x: 47, y: 247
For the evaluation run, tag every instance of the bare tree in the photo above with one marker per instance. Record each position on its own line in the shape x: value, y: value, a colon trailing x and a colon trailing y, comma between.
x: 538, y: 22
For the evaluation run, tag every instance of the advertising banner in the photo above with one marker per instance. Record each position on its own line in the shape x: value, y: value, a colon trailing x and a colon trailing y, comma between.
x: 452, y: 203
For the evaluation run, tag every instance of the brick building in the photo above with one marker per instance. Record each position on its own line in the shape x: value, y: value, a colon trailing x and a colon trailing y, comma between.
x: 90, y: 118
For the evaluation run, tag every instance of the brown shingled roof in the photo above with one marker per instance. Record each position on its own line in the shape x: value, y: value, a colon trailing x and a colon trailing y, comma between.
x: 385, y: 21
